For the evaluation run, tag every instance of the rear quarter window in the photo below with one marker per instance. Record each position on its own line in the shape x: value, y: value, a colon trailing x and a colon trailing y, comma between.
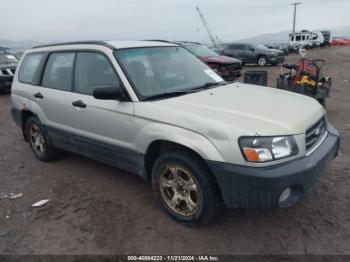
x: 29, y: 67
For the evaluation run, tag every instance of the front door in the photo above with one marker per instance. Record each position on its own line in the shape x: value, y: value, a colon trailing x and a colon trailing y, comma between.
x: 106, y: 127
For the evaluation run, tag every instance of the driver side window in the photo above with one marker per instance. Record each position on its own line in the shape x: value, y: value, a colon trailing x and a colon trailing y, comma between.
x: 93, y: 70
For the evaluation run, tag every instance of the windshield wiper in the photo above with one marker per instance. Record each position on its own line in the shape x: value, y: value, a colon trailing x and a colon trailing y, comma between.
x: 207, y: 86
x: 184, y: 92
x: 168, y: 94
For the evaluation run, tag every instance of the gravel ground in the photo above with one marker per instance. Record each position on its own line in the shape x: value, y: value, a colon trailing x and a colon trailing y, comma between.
x: 97, y: 209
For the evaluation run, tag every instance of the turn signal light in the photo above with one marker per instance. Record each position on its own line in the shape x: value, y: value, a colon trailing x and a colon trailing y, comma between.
x: 252, y: 154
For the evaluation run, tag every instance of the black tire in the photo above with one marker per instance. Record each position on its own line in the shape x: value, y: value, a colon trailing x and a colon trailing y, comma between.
x: 209, y: 201
x: 262, y: 61
x: 47, y: 151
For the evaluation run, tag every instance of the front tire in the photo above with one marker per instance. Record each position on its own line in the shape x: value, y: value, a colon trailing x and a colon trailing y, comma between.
x: 185, y: 188
x: 39, y: 140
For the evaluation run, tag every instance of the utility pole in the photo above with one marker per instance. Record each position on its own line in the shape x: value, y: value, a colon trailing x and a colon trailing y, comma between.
x: 295, y: 14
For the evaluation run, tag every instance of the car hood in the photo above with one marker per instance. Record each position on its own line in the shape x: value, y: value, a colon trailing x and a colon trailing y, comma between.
x: 5, y: 66
x: 276, y: 51
x: 220, y: 59
x: 245, y: 109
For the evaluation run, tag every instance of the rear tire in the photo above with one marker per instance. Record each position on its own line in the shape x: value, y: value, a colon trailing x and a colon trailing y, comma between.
x: 185, y: 188
x: 39, y: 141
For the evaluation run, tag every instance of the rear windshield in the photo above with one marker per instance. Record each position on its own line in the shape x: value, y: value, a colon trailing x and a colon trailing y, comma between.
x: 200, y: 51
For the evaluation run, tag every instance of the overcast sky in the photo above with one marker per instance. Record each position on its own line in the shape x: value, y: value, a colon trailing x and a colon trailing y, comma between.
x: 61, y: 20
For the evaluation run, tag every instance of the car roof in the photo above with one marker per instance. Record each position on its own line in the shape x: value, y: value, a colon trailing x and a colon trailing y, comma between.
x: 237, y: 43
x: 110, y: 44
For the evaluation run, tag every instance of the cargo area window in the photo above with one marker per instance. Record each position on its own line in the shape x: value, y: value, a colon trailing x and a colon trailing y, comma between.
x: 29, y: 67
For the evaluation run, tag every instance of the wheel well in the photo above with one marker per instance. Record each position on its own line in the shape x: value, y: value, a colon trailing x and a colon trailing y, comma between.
x: 159, y: 147
x: 26, y: 114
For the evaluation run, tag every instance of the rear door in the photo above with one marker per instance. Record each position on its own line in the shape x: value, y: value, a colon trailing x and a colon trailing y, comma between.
x: 236, y: 50
x: 54, y: 96
x: 250, y: 53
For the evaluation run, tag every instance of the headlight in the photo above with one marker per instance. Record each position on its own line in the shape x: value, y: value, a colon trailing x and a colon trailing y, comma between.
x: 263, y: 149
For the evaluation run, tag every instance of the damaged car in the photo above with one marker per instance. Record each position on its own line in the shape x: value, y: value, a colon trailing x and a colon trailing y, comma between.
x: 228, y: 68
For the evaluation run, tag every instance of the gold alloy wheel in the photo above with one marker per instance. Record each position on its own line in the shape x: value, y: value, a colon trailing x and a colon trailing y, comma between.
x: 37, y: 139
x: 179, y: 189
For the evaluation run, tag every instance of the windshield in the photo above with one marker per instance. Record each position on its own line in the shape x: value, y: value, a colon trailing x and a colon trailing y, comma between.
x: 200, y: 51
x: 6, y: 58
x: 158, y: 70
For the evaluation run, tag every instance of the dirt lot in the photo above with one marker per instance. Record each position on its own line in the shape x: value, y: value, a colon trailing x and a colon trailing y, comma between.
x: 97, y: 209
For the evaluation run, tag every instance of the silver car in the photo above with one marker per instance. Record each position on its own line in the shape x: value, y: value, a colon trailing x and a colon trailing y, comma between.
x: 156, y: 110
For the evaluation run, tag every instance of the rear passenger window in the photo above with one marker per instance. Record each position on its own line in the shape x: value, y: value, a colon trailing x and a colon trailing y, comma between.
x: 237, y: 47
x: 29, y: 67
x: 93, y: 70
x: 58, y: 71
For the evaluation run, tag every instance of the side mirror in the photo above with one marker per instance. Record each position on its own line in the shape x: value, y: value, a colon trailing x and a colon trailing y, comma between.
x: 108, y: 93
x: 252, y: 49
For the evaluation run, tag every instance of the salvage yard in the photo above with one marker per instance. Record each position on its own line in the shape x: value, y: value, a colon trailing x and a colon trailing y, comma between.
x: 98, y: 209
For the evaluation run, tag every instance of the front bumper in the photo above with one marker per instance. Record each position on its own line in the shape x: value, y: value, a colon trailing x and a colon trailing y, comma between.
x: 261, y: 187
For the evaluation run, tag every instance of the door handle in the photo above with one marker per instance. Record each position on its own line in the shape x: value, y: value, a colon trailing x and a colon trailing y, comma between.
x: 79, y: 103
x: 39, y: 95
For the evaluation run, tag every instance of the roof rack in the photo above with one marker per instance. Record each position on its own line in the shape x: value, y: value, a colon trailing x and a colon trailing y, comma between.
x: 79, y: 43
x: 158, y: 40
x: 188, y: 42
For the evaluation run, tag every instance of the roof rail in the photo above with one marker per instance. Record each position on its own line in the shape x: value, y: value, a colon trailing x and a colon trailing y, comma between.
x: 188, y: 42
x: 158, y: 40
x: 78, y: 43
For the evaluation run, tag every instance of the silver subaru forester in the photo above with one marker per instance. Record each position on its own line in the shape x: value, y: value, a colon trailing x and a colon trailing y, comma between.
x: 156, y: 110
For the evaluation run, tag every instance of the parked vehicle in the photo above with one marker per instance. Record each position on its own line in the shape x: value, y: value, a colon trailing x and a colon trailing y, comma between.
x: 253, y: 53
x: 306, y: 39
x: 156, y: 110
x: 8, y: 64
x: 227, y: 67
x: 283, y: 47
x: 341, y: 42
x: 327, y: 35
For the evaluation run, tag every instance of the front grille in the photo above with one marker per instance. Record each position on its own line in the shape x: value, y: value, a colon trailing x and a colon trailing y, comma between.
x: 315, y: 133
x: 235, y: 67
x: 7, y: 72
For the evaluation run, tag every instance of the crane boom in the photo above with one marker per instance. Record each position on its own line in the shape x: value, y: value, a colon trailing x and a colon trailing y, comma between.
x: 206, y: 26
